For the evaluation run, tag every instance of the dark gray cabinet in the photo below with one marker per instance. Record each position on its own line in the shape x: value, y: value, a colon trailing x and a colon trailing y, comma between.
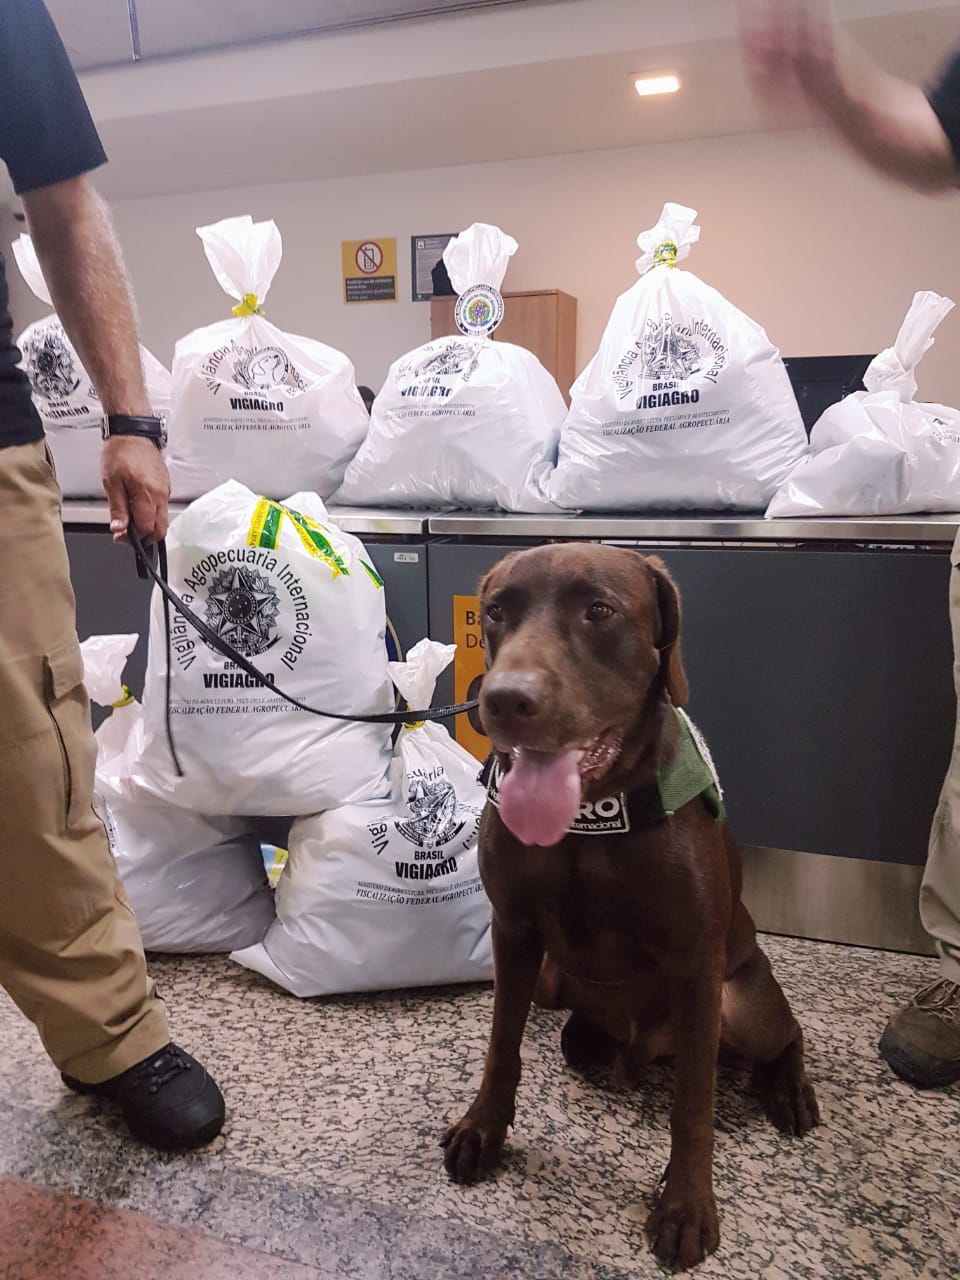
x: 821, y: 677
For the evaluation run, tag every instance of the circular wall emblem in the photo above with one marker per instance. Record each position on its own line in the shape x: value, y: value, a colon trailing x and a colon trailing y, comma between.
x: 479, y: 310
x: 263, y: 369
x: 369, y: 257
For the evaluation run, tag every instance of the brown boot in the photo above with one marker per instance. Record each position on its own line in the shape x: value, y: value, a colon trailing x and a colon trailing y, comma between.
x: 921, y: 1042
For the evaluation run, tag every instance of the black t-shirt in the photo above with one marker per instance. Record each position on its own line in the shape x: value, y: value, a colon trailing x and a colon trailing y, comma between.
x: 945, y: 100
x: 46, y: 136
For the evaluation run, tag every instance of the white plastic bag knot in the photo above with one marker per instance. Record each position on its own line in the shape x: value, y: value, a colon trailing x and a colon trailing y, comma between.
x: 104, y: 658
x: 670, y: 240
x: 244, y: 256
x: 479, y: 255
x: 893, y: 368
x: 417, y: 678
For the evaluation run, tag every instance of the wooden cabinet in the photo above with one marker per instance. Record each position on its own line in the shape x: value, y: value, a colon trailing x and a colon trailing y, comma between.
x: 545, y: 322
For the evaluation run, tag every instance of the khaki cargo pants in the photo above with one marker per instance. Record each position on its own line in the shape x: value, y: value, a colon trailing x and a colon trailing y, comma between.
x: 940, y: 890
x: 70, y: 951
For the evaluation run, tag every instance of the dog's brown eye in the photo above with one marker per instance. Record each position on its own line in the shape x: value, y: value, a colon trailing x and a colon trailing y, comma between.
x: 598, y: 611
x: 494, y: 613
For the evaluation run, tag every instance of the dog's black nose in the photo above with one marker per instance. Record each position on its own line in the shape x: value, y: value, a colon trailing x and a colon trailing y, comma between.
x: 512, y: 697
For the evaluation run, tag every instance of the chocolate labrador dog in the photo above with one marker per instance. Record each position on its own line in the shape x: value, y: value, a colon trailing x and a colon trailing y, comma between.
x: 613, y: 878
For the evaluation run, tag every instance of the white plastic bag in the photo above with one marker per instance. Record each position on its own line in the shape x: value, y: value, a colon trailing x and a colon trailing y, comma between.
x: 104, y: 658
x: 878, y: 452
x: 387, y: 894
x: 686, y: 404
x: 300, y: 598
x: 273, y: 410
x: 462, y: 421
x: 195, y: 884
x: 63, y: 394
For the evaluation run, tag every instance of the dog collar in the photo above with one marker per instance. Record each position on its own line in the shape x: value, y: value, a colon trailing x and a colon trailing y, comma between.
x: 689, y: 774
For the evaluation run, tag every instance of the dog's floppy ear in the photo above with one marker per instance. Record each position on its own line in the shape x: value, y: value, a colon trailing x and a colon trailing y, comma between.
x: 485, y: 585
x: 668, y: 640
x: 488, y: 578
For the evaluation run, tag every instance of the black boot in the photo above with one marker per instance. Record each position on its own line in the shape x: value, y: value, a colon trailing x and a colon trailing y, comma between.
x: 168, y: 1100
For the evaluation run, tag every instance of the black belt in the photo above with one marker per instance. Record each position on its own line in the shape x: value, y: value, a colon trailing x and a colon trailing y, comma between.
x: 158, y: 573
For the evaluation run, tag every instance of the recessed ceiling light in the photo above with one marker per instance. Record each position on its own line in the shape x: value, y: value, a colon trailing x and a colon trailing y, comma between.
x: 647, y: 85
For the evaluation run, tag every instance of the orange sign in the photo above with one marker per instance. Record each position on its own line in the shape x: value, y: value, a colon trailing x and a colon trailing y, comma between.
x: 468, y: 669
x: 369, y: 269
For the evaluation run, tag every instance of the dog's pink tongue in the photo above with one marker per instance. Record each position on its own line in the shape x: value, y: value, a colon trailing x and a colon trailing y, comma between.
x: 540, y: 796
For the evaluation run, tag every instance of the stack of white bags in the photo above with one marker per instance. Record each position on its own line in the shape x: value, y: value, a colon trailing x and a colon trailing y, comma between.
x: 686, y: 404
x: 273, y: 410
x: 196, y: 883
x: 462, y: 421
x: 879, y: 452
x: 63, y: 393
x: 381, y: 888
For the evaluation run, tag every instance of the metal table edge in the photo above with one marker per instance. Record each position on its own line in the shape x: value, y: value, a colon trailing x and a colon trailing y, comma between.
x: 894, y: 529
x: 907, y: 530
x: 359, y: 520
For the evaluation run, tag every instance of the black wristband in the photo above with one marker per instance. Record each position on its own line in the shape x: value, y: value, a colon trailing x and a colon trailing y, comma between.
x: 125, y: 424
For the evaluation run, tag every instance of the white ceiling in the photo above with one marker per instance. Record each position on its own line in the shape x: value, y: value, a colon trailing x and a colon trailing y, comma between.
x: 505, y: 82
x: 101, y: 33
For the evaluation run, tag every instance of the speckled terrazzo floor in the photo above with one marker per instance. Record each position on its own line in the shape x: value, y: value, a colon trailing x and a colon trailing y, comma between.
x: 329, y: 1165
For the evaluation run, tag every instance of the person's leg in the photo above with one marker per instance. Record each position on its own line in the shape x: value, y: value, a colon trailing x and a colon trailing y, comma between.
x: 70, y: 951
x: 921, y: 1042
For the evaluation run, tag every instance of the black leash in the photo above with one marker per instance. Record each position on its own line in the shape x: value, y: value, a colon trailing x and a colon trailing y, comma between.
x: 147, y: 569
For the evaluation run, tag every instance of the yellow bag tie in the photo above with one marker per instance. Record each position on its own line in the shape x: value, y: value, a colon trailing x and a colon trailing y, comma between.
x: 665, y: 254
x: 249, y: 305
x: 125, y: 700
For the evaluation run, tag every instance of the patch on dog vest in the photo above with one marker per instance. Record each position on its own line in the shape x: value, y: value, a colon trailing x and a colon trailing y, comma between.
x: 689, y: 774
x: 607, y: 816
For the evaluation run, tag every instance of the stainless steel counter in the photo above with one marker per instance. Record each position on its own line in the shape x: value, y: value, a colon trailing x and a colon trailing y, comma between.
x: 360, y: 520
x: 380, y: 520
x: 904, y: 530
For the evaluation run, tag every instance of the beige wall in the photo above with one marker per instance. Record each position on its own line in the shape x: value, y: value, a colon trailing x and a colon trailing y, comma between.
x: 795, y: 232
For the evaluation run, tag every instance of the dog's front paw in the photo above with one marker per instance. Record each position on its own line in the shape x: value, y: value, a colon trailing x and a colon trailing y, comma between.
x: 472, y: 1148
x: 683, y: 1229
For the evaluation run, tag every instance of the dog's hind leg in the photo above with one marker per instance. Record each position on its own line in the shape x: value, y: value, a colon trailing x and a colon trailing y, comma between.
x: 758, y: 1025
x: 587, y: 1046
